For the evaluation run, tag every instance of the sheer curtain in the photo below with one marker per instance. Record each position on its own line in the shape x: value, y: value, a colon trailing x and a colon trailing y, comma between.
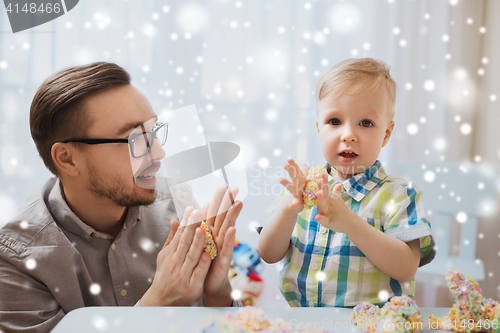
x: 250, y: 67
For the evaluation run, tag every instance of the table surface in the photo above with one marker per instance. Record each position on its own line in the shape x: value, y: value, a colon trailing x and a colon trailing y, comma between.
x: 190, y: 319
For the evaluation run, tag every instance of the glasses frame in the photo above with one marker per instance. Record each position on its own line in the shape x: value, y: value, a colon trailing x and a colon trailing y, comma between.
x: 130, y: 140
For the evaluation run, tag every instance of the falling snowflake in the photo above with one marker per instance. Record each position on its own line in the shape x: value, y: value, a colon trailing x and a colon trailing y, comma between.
x: 147, y: 245
x: 440, y: 144
x: 100, y: 323
x: 263, y: 162
x: 429, y: 176
x: 429, y: 85
x: 412, y: 129
x: 30, y: 264
x: 383, y: 295
x: 95, y: 289
x: 461, y: 217
x: 345, y: 18
x: 465, y: 129
x: 236, y: 294
x: 271, y: 115
x: 192, y: 17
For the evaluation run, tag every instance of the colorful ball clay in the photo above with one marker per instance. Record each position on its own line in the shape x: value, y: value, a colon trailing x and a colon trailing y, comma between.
x: 210, y: 246
x: 250, y: 319
x: 309, y: 195
x: 400, y: 315
x: 471, y: 310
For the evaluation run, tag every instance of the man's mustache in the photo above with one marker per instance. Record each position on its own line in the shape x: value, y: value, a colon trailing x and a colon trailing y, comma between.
x: 150, y: 168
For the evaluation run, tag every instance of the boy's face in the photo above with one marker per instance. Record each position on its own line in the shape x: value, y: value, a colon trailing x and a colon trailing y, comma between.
x: 352, y: 128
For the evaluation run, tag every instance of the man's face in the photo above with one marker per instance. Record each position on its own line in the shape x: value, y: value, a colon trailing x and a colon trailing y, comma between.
x: 352, y: 128
x: 110, y: 170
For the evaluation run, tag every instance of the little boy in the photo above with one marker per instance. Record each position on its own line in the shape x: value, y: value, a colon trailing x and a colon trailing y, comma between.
x: 365, y: 241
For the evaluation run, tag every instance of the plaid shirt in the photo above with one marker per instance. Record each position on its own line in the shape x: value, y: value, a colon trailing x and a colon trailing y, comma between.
x: 390, y: 204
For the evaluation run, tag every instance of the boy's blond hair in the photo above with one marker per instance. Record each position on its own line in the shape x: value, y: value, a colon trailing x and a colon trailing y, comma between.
x: 354, y: 75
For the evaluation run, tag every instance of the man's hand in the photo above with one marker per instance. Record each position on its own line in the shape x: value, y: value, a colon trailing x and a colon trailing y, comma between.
x: 181, y: 266
x: 332, y: 211
x: 297, y: 185
x: 221, y: 215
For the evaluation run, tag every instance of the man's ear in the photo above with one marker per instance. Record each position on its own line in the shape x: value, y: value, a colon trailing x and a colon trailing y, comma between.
x: 64, y: 159
x: 317, y: 127
x: 388, y: 133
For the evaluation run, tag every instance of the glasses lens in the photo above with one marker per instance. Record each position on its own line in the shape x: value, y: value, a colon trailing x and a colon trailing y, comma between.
x: 141, y: 144
x: 161, y: 134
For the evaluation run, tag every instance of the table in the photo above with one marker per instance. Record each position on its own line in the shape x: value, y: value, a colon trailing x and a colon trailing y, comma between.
x: 190, y: 319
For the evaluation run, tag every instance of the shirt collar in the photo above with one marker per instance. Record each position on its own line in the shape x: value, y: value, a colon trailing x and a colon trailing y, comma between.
x: 65, y: 217
x: 361, y: 184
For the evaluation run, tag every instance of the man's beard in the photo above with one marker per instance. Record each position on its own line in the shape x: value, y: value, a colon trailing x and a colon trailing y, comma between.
x: 114, y: 189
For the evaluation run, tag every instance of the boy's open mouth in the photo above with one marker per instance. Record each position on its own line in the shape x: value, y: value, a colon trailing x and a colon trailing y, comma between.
x: 348, y: 156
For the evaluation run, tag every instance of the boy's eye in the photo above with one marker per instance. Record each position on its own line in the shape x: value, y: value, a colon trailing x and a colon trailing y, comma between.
x: 366, y: 123
x: 334, y: 121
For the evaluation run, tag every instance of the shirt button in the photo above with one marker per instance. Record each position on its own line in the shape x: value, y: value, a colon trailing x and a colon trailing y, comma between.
x: 322, y: 230
x: 96, y: 235
x: 87, y: 236
x: 113, y: 246
x: 314, y: 266
x: 310, y: 304
x: 123, y: 293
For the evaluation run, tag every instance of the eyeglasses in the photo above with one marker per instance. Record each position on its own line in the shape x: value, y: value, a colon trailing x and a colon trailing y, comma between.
x: 140, y: 141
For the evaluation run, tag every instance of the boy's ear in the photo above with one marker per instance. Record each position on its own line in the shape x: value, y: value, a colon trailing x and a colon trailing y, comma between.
x: 317, y: 128
x: 63, y: 157
x: 388, y: 133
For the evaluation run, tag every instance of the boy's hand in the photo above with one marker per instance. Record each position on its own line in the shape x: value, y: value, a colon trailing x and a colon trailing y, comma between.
x: 297, y: 185
x: 332, y: 211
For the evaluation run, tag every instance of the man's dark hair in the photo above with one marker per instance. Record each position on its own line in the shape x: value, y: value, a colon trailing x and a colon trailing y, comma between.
x: 57, y: 111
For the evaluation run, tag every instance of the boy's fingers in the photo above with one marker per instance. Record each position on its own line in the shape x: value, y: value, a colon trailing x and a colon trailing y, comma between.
x: 296, y: 169
x: 293, y: 164
x: 337, y: 190
x: 324, y: 185
x: 291, y: 171
x: 289, y: 186
x: 322, y: 203
x: 305, y: 170
x: 295, y: 204
x: 319, y: 218
x: 285, y: 182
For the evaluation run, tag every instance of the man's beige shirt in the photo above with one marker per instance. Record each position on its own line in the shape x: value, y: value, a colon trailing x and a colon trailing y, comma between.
x: 51, y: 262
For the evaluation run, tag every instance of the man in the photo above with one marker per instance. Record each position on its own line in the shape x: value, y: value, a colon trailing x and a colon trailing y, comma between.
x: 92, y: 235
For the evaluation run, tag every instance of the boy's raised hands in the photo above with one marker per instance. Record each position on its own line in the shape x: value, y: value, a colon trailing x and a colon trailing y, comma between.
x: 332, y: 211
x: 297, y: 185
